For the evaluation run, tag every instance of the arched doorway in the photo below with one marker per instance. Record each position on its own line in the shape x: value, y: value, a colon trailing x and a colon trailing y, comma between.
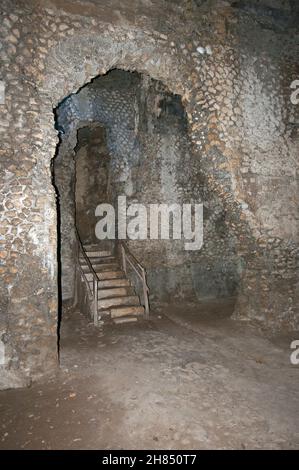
x: 70, y: 64
x: 150, y: 161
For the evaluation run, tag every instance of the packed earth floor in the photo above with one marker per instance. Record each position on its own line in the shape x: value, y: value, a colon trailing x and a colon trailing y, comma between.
x: 190, y: 378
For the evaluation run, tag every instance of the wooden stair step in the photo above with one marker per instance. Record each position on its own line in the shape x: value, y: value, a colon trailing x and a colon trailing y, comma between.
x: 98, y: 253
x: 125, y: 320
x: 127, y: 300
x: 97, y: 247
x: 114, y: 283
x: 106, y: 267
x: 115, y: 292
x: 98, y: 261
x: 106, y: 276
x: 123, y: 311
x: 102, y: 267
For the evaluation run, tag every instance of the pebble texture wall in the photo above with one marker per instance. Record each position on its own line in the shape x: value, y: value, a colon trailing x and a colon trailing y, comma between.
x: 92, y: 174
x: 151, y: 163
x: 231, y: 65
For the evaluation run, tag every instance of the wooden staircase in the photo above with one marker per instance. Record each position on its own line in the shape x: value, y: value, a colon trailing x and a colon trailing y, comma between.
x: 111, y: 292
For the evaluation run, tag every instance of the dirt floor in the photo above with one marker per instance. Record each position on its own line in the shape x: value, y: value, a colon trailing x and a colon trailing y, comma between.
x: 188, y: 379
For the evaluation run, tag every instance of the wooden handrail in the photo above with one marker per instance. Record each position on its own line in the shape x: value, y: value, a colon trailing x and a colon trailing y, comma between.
x: 130, y: 255
x: 127, y: 256
x: 94, y: 290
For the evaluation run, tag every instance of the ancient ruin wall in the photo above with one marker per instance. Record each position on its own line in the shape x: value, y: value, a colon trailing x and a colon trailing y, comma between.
x: 206, y: 56
x: 151, y: 161
x: 92, y: 171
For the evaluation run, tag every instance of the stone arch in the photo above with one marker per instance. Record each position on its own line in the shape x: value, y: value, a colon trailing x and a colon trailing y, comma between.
x: 197, y: 57
x: 79, y: 59
x: 73, y: 61
x: 75, y: 64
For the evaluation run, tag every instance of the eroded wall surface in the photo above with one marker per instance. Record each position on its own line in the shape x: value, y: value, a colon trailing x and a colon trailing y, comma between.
x: 92, y: 172
x: 151, y: 162
x: 231, y: 64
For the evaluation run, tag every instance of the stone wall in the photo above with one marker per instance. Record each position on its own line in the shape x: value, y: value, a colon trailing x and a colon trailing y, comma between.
x: 231, y: 64
x: 151, y: 162
x: 92, y: 162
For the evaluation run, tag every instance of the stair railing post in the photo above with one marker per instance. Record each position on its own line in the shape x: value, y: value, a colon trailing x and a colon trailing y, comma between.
x: 145, y: 294
x: 95, y: 299
x: 124, y: 259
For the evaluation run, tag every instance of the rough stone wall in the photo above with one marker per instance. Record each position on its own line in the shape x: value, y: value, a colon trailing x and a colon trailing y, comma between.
x: 202, y: 52
x: 110, y: 105
x: 167, y: 172
x: 151, y: 162
x: 266, y: 178
x: 77, y: 173
x: 92, y: 172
